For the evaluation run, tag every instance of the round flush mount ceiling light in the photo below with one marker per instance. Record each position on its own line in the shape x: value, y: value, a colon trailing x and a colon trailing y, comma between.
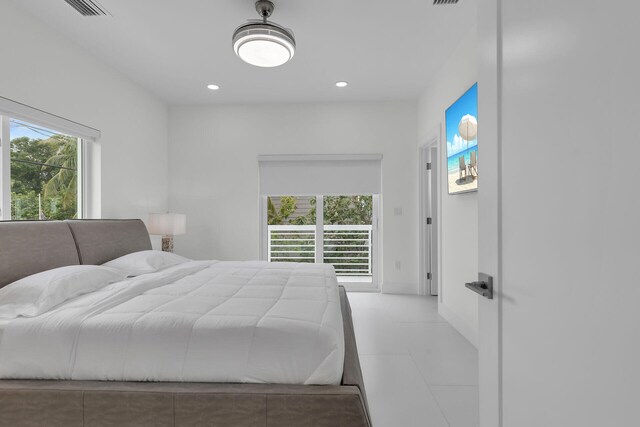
x: 342, y: 84
x: 263, y: 43
x: 213, y: 87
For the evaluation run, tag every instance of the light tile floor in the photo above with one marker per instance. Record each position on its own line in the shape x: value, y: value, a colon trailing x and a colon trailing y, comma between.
x: 418, y: 370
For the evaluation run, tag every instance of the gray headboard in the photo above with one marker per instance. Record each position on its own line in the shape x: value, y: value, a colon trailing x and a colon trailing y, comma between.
x: 29, y: 247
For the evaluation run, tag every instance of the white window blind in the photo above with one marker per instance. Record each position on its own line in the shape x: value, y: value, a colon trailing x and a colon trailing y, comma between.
x: 17, y: 110
x: 320, y: 174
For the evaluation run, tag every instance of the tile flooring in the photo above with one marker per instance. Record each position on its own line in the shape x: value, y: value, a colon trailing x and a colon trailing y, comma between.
x: 418, y: 370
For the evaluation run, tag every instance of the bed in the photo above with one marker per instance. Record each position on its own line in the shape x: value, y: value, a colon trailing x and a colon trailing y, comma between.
x: 276, y: 390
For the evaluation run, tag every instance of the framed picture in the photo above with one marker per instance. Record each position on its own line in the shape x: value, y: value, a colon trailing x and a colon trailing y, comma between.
x: 461, y: 126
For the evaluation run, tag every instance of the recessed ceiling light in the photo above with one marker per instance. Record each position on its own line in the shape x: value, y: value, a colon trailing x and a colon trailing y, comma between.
x: 342, y: 84
x: 213, y: 87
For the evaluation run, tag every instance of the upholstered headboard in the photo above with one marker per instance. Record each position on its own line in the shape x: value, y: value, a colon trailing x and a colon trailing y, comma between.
x: 101, y: 240
x: 29, y: 247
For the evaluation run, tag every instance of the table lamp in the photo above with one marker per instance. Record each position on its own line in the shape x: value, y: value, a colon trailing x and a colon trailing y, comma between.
x: 167, y: 225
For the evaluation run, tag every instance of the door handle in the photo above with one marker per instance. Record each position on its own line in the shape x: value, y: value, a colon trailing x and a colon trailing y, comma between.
x: 484, y: 285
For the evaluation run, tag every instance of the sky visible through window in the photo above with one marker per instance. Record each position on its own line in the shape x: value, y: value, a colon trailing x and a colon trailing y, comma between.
x: 19, y: 129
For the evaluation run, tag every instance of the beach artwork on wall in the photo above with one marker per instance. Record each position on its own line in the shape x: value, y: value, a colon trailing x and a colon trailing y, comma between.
x: 461, y: 124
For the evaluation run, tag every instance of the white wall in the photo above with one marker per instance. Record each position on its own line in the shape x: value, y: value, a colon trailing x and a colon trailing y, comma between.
x: 570, y: 209
x: 43, y: 70
x: 214, y: 171
x: 459, y: 213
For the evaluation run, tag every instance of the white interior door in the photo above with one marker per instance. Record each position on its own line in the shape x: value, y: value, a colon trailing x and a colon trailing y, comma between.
x: 489, y: 215
x: 559, y: 346
x: 433, y: 214
x: 429, y: 216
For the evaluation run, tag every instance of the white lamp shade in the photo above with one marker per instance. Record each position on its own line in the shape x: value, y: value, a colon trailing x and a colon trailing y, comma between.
x: 167, y: 224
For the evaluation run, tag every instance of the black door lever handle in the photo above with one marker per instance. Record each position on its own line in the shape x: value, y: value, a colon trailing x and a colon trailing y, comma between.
x: 484, y: 286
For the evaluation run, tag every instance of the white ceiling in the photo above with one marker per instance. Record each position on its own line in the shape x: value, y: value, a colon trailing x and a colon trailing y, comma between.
x: 386, y: 50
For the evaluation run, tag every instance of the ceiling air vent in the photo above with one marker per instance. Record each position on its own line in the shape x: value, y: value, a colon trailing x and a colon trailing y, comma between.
x: 438, y: 2
x: 88, y: 7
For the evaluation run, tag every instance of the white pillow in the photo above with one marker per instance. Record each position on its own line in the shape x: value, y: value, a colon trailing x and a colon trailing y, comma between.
x: 143, y: 262
x: 38, y: 293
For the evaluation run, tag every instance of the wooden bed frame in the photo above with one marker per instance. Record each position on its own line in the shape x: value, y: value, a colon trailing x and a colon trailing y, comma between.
x: 28, y: 247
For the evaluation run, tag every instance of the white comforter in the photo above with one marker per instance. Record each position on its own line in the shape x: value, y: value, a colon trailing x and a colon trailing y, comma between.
x: 200, y: 321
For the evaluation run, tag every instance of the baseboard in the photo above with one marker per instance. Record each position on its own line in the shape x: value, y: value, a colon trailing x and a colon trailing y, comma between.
x: 460, y: 325
x: 400, y: 288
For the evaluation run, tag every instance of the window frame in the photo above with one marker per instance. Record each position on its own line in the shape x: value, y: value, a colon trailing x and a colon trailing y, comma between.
x: 5, y: 169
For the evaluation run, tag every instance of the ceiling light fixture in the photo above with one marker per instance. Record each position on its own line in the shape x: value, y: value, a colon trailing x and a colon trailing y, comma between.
x: 342, y: 84
x: 213, y: 87
x: 263, y: 43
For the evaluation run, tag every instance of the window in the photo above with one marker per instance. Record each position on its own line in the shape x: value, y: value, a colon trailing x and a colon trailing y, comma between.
x: 323, y: 208
x: 292, y: 228
x: 348, y: 236
x: 336, y: 230
x: 44, y: 176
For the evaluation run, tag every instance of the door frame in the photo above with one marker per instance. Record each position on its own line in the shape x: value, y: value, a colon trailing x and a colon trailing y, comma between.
x: 429, y: 152
x: 490, y: 252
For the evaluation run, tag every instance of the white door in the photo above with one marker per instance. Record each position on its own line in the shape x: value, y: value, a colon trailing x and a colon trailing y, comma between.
x: 433, y: 223
x: 429, y: 194
x: 489, y: 225
x: 565, y: 321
